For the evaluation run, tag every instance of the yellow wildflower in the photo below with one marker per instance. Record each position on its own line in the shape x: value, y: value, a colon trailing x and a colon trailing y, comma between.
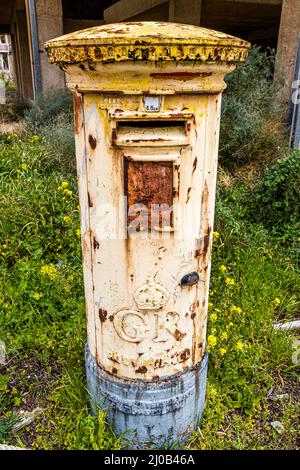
x: 210, y: 304
x: 222, y: 351
x: 211, y: 341
x: 49, y: 270
x: 213, y: 331
x: 67, y: 219
x: 70, y: 278
x: 78, y: 233
x: 235, y: 309
x: 223, y: 268
x: 216, y: 235
x: 37, y: 295
x: 64, y: 185
x: 224, y: 335
x: 239, y: 346
x: 229, y: 281
x: 68, y: 192
x: 34, y: 138
x: 24, y: 166
x: 276, y: 302
x: 214, y: 317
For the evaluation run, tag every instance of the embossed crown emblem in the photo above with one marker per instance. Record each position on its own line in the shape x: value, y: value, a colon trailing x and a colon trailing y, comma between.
x: 151, y: 296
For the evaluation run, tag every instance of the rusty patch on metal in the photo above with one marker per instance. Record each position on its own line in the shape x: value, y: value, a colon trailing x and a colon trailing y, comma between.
x: 102, y: 314
x: 141, y: 370
x: 185, y: 355
x: 92, y: 142
x: 202, y: 244
x: 179, y: 335
x: 148, y: 184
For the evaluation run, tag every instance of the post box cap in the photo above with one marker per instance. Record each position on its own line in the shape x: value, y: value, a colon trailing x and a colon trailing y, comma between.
x: 146, y: 41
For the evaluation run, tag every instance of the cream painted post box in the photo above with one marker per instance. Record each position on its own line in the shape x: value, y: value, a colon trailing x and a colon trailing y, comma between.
x: 147, y: 102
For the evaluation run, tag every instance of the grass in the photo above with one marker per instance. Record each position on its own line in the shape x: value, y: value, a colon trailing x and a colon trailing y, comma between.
x: 42, y: 321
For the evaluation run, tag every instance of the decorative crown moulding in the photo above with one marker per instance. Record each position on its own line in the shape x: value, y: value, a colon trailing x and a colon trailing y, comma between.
x: 146, y: 41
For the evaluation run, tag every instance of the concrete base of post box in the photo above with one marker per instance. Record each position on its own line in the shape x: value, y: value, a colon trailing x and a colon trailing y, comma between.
x: 152, y: 414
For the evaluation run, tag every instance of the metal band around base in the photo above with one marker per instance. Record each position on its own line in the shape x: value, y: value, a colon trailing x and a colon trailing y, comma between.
x: 152, y: 414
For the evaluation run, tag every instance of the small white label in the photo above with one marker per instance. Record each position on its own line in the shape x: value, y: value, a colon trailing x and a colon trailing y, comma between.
x: 152, y: 103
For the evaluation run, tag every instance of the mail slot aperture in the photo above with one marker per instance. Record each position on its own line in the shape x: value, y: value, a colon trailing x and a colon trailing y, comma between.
x: 151, y: 133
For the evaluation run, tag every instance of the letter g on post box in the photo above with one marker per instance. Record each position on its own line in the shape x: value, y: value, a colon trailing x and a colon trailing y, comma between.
x: 147, y: 101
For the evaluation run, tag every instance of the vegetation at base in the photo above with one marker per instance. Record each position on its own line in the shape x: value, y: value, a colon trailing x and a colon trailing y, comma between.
x: 254, y: 281
x: 252, y: 128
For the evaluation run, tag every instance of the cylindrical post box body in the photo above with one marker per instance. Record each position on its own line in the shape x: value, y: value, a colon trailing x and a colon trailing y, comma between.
x: 147, y: 109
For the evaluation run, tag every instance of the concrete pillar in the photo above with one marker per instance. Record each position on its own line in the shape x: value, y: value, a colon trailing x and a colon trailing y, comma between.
x: 15, y: 56
x: 11, y: 64
x: 25, y: 83
x: 185, y: 11
x: 49, y: 15
x: 287, y: 49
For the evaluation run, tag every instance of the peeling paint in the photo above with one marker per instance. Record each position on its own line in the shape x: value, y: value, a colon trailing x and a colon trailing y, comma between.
x: 165, y: 156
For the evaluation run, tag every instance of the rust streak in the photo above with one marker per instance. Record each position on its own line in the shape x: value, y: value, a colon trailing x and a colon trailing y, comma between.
x: 188, y: 195
x: 77, y: 107
x: 90, y: 200
x: 96, y: 244
x: 194, y: 164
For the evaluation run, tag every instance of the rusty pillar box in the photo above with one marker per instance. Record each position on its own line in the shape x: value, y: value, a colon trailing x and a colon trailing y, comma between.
x: 147, y: 102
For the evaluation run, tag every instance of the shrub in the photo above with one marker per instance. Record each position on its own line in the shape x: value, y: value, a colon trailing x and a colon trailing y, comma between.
x: 15, y: 107
x: 276, y: 201
x: 60, y: 142
x: 51, y: 118
x: 251, y: 126
x: 47, y: 107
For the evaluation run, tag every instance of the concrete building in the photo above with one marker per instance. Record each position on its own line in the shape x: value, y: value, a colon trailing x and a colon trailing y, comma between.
x: 30, y: 23
x: 274, y: 23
